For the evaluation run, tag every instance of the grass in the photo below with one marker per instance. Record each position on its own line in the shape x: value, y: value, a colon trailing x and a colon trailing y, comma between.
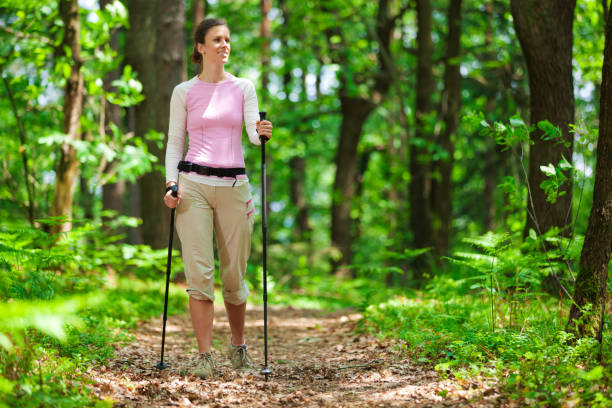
x: 457, y: 324
x: 535, y: 361
x: 45, y: 371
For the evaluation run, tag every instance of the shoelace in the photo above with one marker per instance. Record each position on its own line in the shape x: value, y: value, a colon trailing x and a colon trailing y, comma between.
x: 245, y: 360
x: 208, y: 358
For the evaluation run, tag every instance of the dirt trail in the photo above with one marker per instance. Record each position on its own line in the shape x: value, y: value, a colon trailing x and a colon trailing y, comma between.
x: 315, y: 358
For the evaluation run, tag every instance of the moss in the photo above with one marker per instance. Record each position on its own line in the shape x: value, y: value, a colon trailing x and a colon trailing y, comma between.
x: 588, y: 286
x: 588, y: 292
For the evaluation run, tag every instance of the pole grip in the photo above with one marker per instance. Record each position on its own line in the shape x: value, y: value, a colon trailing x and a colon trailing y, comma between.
x: 262, y: 116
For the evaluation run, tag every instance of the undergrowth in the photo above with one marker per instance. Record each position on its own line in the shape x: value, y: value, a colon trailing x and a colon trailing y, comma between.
x: 65, y: 302
x: 488, y: 317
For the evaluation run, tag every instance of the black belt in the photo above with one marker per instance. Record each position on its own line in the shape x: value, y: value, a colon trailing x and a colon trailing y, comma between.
x: 210, y: 171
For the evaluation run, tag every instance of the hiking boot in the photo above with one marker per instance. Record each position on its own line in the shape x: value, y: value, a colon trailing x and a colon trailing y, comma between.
x: 240, y: 357
x: 205, y: 366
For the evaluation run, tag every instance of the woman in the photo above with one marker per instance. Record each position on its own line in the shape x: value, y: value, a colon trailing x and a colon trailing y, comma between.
x: 214, y: 190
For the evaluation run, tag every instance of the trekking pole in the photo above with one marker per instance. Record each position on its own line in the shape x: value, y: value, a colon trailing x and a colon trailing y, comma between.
x: 266, y: 371
x: 161, y: 365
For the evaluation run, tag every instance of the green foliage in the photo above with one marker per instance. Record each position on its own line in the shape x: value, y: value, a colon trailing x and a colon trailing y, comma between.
x: 482, y: 310
x: 47, y: 317
x: 35, y: 70
x: 486, y: 317
x: 512, y: 268
x: 128, y: 87
x: 370, y: 283
x: 537, y: 363
x: 556, y: 178
x: 56, y: 320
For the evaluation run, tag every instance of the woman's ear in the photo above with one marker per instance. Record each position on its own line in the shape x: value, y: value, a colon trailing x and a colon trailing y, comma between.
x: 200, y: 48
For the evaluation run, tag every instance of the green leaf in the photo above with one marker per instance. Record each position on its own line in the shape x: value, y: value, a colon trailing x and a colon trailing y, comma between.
x: 593, y: 375
x: 516, y: 122
x: 53, y: 325
x: 550, y: 130
x: 6, y: 343
x: 500, y: 127
x: 66, y: 70
x: 564, y: 164
x: 489, y: 241
x: 548, y: 170
x: 532, y: 234
x: 6, y: 386
x: 335, y: 39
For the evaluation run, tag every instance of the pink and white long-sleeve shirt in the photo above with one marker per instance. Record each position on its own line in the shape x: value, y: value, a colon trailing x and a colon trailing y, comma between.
x: 212, y: 115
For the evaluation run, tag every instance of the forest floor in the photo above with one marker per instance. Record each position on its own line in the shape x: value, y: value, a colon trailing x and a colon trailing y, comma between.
x: 316, y: 359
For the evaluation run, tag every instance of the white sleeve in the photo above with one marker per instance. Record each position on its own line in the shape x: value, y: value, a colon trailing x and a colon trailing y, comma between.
x: 251, y: 112
x: 176, y: 133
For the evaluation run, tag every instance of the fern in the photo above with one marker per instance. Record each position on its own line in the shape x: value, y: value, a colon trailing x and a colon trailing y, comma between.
x: 50, y: 317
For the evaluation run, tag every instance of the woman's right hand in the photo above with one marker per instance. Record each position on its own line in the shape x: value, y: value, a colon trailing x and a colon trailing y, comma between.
x: 170, y: 200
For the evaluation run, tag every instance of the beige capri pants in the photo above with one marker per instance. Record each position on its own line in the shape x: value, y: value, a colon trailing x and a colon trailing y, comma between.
x: 229, y: 211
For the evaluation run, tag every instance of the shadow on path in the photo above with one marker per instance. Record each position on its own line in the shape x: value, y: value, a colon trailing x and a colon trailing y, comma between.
x: 315, y: 358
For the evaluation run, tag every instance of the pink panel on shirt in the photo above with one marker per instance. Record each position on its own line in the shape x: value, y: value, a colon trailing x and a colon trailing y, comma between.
x: 214, y: 124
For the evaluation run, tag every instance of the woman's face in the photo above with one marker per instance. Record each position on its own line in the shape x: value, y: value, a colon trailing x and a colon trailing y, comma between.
x: 216, y: 47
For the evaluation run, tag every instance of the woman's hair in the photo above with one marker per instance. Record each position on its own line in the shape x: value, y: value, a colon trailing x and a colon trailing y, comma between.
x: 200, y: 34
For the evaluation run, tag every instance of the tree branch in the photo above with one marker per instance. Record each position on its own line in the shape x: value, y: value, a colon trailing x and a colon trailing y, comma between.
x: 403, y: 11
x: 20, y: 34
x: 22, y: 150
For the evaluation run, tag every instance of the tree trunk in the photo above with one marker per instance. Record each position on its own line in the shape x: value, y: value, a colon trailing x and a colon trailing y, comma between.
x: 200, y: 8
x: 199, y: 12
x: 133, y: 189
x: 591, y: 283
x: 362, y: 167
x: 24, y: 153
x: 68, y: 167
x: 451, y: 103
x: 396, y: 151
x: 544, y: 29
x: 156, y: 50
x: 298, y: 198
x: 265, y: 33
x: 134, y: 234
x: 141, y: 42
x: 490, y: 180
x: 490, y: 160
x: 297, y: 184
x: 420, y: 170
x: 113, y: 194
x: 265, y: 6
x: 355, y: 111
x: 86, y: 199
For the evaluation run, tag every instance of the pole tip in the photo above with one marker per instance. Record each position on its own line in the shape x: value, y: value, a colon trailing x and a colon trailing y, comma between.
x: 266, y: 372
x: 161, y: 365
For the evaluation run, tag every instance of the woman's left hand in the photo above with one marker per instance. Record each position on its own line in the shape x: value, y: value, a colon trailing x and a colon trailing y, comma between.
x: 264, y: 128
